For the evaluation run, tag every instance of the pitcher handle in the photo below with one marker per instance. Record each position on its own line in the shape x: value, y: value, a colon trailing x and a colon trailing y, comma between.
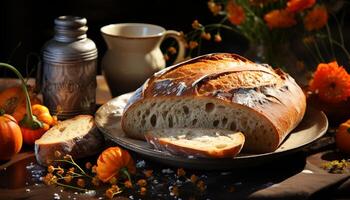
x: 181, y: 42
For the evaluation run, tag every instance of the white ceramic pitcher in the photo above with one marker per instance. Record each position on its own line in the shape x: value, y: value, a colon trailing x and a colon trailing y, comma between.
x: 133, y: 54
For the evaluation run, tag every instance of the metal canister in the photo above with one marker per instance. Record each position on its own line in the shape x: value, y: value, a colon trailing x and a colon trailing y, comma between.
x: 69, y: 67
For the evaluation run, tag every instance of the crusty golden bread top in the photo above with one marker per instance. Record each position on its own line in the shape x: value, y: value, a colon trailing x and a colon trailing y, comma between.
x: 220, y: 75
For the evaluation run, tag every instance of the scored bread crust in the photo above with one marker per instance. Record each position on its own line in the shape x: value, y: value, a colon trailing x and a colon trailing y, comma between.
x: 230, y: 80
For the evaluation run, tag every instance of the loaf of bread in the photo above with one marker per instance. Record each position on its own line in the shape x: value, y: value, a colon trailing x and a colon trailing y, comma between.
x: 78, y: 137
x: 223, y: 91
x: 197, y: 142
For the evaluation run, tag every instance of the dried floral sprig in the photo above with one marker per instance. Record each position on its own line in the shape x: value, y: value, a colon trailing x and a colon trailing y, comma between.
x: 337, y: 166
x: 75, y: 177
x: 193, y: 180
x: 61, y: 177
x: 112, y: 191
x: 69, y: 159
x: 323, y: 45
x: 79, y: 178
x: 267, y: 23
x: 198, y: 33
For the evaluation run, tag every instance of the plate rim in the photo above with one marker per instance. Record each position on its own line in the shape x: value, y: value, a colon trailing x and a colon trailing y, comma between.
x: 150, y: 152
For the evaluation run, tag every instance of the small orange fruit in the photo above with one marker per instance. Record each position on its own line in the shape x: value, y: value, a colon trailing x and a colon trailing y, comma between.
x: 342, y: 137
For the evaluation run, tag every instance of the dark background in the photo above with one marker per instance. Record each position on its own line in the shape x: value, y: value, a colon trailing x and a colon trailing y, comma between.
x: 27, y: 24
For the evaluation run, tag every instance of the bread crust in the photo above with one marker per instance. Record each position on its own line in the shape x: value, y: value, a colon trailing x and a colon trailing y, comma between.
x: 78, y: 147
x: 181, y: 150
x: 271, y: 93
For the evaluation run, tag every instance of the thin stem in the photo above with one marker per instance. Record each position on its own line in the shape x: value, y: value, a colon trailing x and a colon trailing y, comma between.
x: 190, y: 52
x: 115, y: 193
x: 73, y: 173
x: 339, y: 30
x: 342, y: 47
x: 76, y: 165
x: 329, y: 34
x: 192, y: 34
x: 256, y: 18
x: 124, y: 170
x: 61, y: 177
x: 199, y: 46
x: 223, y: 19
x: 218, y: 26
x: 82, y: 171
x: 69, y: 186
x: 318, y: 51
x: 24, y: 88
x: 312, y: 53
x: 325, y: 47
x: 28, y: 74
x: 14, y: 51
x: 221, y: 26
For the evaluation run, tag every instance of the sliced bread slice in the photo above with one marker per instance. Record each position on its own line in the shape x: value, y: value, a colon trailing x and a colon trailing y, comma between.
x: 77, y: 137
x: 197, y: 142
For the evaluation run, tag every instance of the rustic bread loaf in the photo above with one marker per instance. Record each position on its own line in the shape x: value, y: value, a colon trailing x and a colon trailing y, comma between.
x: 223, y: 91
x: 197, y: 142
x: 78, y: 137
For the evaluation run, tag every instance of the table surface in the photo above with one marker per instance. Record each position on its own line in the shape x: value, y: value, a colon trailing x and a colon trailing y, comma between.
x: 20, y: 177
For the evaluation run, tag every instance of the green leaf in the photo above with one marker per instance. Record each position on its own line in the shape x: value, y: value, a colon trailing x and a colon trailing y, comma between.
x: 348, y: 130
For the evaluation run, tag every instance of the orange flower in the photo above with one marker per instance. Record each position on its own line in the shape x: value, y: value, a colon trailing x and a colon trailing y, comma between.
x: 235, y: 13
x: 217, y: 37
x: 316, y: 18
x: 279, y: 19
x: 331, y: 82
x: 143, y: 191
x: 194, y: 178
x: 299, y: 5
x: 181, y: 172
x: 196, y: 24
x: 205, y: 35
x: 128, y: 184
x: 214, y: 7
x: 148, y: 173
x: 193, y: 44
x: 141, y: 182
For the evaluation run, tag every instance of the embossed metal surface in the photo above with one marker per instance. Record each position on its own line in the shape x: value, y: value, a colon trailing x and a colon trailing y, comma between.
x: 69, y: 69
x: 70, y: 89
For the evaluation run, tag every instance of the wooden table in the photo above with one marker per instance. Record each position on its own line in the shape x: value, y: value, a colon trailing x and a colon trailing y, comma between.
x: 20, y: 177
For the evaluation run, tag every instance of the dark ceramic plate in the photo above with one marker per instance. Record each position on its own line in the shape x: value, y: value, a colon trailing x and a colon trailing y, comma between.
x: 313, y: 126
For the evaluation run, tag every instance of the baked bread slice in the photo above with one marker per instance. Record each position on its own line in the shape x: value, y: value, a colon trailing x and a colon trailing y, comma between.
x: 223, y: 91
x: 197, y: 142
x: 78, y: 137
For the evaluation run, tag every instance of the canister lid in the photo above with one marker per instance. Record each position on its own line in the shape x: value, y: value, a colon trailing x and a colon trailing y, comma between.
x: 70, y: 43
x: 70, y: 28
x: 70, y: 21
